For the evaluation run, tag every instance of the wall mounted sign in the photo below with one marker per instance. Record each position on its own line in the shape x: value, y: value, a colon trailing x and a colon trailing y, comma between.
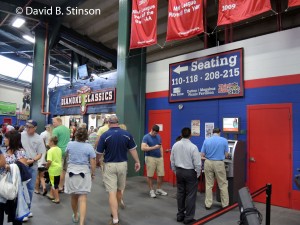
x: 209, y: 77
x: 8, y: 109
x: 86, y: 97
x: 195, y: 127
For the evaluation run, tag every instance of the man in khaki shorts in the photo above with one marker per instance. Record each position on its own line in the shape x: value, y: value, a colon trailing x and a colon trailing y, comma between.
x: 116, y: 142
x: 151, y: 145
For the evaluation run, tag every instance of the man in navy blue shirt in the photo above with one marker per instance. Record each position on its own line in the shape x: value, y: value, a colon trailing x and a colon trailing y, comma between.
x: 115, y: 143
x: 214, y: 150
x: 151, y: 145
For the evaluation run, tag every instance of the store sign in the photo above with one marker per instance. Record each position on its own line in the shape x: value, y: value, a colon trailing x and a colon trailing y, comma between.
x: 209, y: 77
x: 86, y: 97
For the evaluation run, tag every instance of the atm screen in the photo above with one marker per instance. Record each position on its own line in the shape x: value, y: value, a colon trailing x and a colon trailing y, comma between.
x: 230, y: 149
x: 231, y: 125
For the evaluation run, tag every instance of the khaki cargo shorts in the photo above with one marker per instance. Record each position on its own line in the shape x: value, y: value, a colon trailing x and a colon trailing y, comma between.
x: 115, y: 176
x: 153, y: 164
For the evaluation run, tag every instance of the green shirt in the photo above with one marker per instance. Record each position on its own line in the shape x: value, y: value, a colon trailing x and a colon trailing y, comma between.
x: 54, y: 155
x: 63, y: 135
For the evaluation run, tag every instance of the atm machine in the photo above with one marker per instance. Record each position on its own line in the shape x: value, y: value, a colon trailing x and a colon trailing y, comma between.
x: 235, y: 166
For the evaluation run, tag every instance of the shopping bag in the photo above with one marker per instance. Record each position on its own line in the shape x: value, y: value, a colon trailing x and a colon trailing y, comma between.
x: 8, y: 189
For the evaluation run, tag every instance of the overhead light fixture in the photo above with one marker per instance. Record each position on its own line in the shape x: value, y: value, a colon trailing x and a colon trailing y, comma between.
x: 29, y: 38
x: 59, y: 75
x: 30, y: 64
x: 18, y: 22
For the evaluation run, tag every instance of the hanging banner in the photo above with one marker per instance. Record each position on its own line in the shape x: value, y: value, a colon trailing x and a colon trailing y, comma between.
x: 143, y: 23
x: 293, y: 3
x: 185, y: 19
x: 232, y: 11
x: 85, y: 97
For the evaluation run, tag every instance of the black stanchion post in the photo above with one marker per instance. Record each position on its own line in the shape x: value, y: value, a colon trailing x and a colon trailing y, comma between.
x: 268, y: 204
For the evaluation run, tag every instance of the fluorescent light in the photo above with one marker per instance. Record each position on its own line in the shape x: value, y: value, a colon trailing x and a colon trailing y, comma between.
x: 18, y: 22
x: 28, y: 38
x: 30, y: 64
x: 59, y: 75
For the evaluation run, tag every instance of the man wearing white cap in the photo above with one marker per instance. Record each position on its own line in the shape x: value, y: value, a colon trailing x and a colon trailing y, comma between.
x: 34, y: 147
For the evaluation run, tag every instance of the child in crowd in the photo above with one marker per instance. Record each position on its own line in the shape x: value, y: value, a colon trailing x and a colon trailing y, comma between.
x: 54, y: 165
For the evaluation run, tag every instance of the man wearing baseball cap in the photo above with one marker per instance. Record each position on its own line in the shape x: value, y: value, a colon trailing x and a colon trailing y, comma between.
x: 34, y: 147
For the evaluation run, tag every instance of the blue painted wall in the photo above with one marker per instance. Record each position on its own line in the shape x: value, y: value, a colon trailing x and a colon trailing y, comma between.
x: 215, y: 110
x: 13, y: 119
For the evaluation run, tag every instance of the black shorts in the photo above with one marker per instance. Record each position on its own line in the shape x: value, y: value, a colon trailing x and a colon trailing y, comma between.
x: 54, y: 180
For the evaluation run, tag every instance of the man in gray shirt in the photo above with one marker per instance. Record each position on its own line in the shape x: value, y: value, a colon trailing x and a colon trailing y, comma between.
x: 186, y: 163
x: 34, y: 147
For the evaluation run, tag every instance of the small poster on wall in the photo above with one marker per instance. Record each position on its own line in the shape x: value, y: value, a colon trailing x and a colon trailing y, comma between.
x: 209, y: 129
x: 195, y: 127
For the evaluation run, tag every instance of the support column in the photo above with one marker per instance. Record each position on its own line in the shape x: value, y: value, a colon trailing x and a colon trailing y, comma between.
x: 131, y: 84
x: 37, y: 79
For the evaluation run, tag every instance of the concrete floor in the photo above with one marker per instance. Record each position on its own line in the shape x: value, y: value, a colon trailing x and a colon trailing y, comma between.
x: 141, y: 209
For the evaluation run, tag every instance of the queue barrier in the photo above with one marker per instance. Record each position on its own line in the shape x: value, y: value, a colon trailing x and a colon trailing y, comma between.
x: 267, y: 189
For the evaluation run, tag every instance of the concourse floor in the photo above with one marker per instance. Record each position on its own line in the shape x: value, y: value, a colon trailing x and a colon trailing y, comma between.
x: 140, y: 208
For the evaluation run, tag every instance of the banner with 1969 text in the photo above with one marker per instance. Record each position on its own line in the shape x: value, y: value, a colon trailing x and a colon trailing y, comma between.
x: 209, y: 77
x: 185, y: 19
x: 232, y: 11
x: 143, y: 23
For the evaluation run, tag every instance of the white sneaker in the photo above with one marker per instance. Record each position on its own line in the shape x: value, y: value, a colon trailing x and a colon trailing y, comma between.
x: 30, y: 215
x: 161, y: 192
x: 25, y: 219
x: 152, y: 194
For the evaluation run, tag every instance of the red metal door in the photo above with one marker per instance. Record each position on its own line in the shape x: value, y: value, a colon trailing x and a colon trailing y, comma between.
x: 7, y: 120
x: 163, y: 119
x: 270, y: 149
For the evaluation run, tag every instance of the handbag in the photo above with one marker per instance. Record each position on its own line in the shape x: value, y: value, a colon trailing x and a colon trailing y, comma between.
x: 8, y: 190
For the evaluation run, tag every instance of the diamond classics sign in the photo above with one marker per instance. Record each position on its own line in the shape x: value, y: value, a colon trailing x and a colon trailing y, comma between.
x: 86, y: 97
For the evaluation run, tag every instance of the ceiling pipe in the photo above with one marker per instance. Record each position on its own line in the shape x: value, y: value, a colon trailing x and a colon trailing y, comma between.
x: 3, y: 21
x: 100, y: 62
x: 7, y: 16
x: 44, y: 72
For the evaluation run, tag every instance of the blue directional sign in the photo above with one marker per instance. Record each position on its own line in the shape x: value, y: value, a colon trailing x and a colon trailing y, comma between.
x: 209, y: 77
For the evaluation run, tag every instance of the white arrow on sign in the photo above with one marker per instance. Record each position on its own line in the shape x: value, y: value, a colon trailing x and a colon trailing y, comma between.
x: 180, y: 69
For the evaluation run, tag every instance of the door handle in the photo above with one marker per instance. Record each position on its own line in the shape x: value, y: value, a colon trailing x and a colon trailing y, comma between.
x: 252, y: 159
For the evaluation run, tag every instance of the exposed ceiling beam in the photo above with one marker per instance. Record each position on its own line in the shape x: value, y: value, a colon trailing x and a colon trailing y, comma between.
x: 95, y: 48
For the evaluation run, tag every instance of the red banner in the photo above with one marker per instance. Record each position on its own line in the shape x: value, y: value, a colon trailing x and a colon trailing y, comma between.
x: 185, y: 19
x: 231, y: 11
x: 293, y: 3
x: 143, y: 23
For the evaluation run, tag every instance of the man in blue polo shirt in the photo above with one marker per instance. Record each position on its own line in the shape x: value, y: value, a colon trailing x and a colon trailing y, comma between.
x: 214, y: 150
x: 115, y: 143
x: 151, y: 145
